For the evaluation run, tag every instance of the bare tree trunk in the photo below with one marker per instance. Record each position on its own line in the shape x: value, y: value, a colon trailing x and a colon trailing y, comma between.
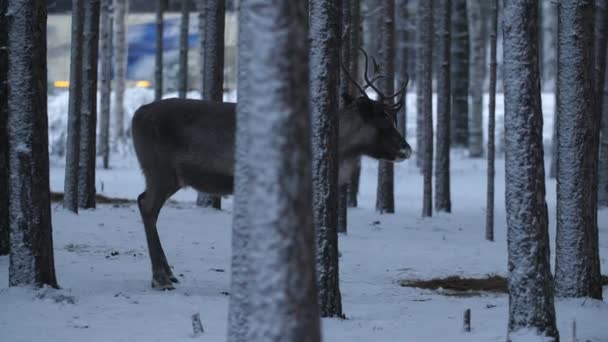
x: 385, y: 195
x: 88, y: 120
x: 182, y: 87
x: 577, y: 268
x: 324, y: 78
x: 70, y: 187
x: 601, y: 36
x: 213, y: 70
x: 106, y: 82
x: 603, y: 159
x: 239, y: 308
x: 31, y: 259
x: 158, y: 65
x: 477, y: 69
x: 460, y: 75
x: 120, y: 67
x: 355, y: 44
x: 401, y: 57
x: 283, y: 305
x: 549, y: 45
x: 4, y: 228
x: 425, y: 25
x: 530, y: 279
x: 442, y: 167
x: 492, y: 123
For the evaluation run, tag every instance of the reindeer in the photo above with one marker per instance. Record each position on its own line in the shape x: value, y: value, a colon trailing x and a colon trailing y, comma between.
x: 187, y: 142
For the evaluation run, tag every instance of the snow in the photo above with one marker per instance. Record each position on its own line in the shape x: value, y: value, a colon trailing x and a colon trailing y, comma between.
x: 103, y: 267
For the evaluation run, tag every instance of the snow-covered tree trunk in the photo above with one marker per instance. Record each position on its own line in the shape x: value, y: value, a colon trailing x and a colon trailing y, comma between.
x: 4, y: 236
x: 577, y: 268
x: 443, y: 200
x: 31, y: 258
x: 601, y: 36
x: 213, y: 69
x: 402, y: 22
x: 70, y: 187
x: 549, y: 44
x: 385, y: 195
x: 158, y: 55
x: 120, y: 67
x: 530, y: 282
x: 491, y: 123
x: 88, y: 120
x: 425, y: 25
x: 603, y: 162
x: 477, y: 70
x: 324, y: 78
x: 282, y: 291
x: 355, y: 44
x: 459, y: 130
x: 182, y: 78
x: 105, y: 74
x: 239, y: 308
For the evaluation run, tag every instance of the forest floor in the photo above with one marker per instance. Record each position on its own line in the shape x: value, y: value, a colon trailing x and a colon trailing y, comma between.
x: 103, y: 268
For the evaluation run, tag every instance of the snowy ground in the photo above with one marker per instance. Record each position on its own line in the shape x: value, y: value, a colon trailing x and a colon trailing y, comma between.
x: 102, y: 263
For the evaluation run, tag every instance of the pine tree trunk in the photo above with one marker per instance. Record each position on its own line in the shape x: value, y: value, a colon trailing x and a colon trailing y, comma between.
x: 355, y: 44
x: 106, y: 81
x: 120, y: 67
x: 460, y: 75
x: 4, y: 228
x: 549, y: 45
x: 182, y: 86
x: 385, y: 195
x: 530, y: 279
x: 577, y: 269
x: 324, y: 78
x: 477, y: 70
x: 282, y: 289
x: 401, y: 58
x: 158, y: 63
x: 425, y: 25
x: 239, y: 308
x: 603, y: 159
x: 601, y: 36
x: 442, y: 168
x: 31, y: 259
x: 70, y: 187
x: 213, y: 70
x: 492, y: 123
x: 88, y: 120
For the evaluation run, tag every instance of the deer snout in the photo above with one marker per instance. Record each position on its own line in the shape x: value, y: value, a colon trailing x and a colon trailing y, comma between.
x: 404, y: 152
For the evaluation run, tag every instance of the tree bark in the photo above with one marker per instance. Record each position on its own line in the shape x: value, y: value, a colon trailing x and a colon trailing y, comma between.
x: 283, y: 305
x: 549, y: 45
x: 425, y: 25
x: 601, y: 36
x: 460, y: 75
x: 530, y: 282
x: 158, y: 62
x: 477, y: 70
x: 213, y: 70
x: 70, y: 187
x: 355, y: 43
x: 106, y: 81
x: 442, y: 167
x: 120, y: 67
x: 401, y: 58
x: 492, y: 123
x: 4, y: 228
x: 31, y: 258
x: 577, y: 268
x: 324, y: 78
x: 385, y: 195
x: 182, y: 82
x: 88, y: 121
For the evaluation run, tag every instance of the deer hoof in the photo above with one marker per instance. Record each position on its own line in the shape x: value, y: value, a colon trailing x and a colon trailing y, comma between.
x: 162, y: 283
x: 174, y: 280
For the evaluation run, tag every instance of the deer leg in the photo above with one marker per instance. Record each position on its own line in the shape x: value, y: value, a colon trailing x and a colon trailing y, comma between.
x: 150, y: 203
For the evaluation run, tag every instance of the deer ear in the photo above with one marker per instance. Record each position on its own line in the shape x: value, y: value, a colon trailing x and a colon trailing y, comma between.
x: 348, y: 99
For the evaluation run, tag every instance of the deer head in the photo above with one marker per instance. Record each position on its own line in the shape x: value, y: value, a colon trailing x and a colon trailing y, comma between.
x: 378, y: 117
